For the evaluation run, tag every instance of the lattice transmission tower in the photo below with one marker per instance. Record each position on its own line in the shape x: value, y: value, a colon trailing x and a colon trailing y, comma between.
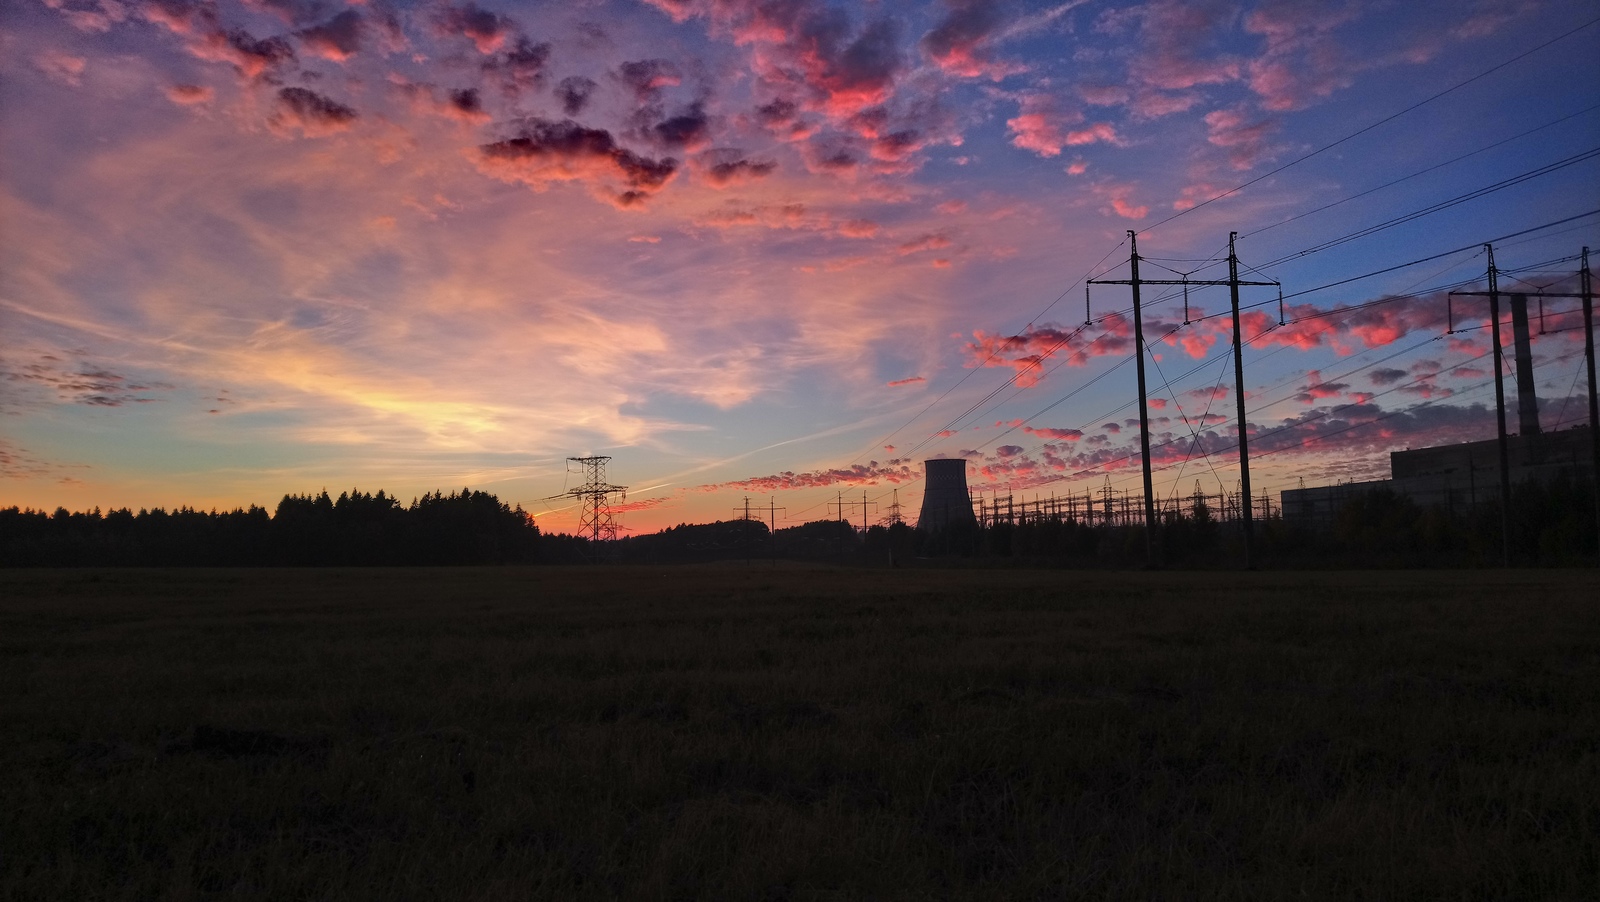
x: 596, y: 522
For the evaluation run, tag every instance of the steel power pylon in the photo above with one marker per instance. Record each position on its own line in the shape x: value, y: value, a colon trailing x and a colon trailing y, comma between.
x: 595, y: 522
x: 893, y: 518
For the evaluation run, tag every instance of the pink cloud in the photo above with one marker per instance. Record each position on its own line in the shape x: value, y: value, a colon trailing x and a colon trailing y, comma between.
x: 1245, y: 140
x: 1214, y: 393
x: 1097, y: 132
x: 928, y: 242
x: 1151, y: 104
x: 1316, y: 389
x: 1177, y: 37
x: 337, y: 39
x: 463, y: 105
x: 313, y: 115
x: 1303, y: 61
x: 63, y: 67
x: 1067, y: 435
x: 1345, y: 431
x: 870, y: 473
x: 95, y: 21
x: 182, y: 17
x: 545, y: 152
x: 486, y: 29
x: 1196, y: 193
x: 1042, y: 125
x: 190, y: 95
x: 959, y: 44
x: 1118, y: 200
x: 914, y: 380
x: 1104, y: 95
x: 726, y: 167
x: 792, y: 216
x: 253, y: 58
x: 624, y: 507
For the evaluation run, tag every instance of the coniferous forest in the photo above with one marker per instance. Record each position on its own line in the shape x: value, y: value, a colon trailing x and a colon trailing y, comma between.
x: 355, y: 529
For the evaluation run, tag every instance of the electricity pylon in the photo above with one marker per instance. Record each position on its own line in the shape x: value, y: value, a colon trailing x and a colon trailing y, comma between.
x: 595, y: 521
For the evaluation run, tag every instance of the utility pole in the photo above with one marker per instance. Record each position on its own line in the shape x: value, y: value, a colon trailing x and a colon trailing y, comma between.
x: 1234, y: 283
x: 864, y: 503
x: 1500, y: 412
x: 772, y: 526
x: 1493, y: 294
x: 1586, y: 294
x: 840, y: 532
x: 1587, y: 288
x: 746, y: 539
x: 1238, y: 392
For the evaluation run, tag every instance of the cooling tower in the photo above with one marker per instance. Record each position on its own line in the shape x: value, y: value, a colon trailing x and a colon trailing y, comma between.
x: 946, y: 501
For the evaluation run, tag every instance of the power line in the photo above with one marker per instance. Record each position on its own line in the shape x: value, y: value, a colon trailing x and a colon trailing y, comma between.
x: 1420, y: 172
x: 1442, y: 205
x: 1387, y: 119
x: 1474, y: 246
x: 1047, y: 308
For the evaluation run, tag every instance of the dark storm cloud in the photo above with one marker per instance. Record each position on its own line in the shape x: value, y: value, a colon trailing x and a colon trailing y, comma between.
x: 956, y: 43
x: 312, y: 113
x: 257, y: 57
x: 778, y: 112
x: 574, y: 93
x: 689, y: 128
x: 593, y: 34
x: 338, y: 38
x: 646, y: 78
x: 467, y: 101
x: 544, y: 152
x: 521, y: 67
x: 487, y: 30
x: 89, y: 386
x: 181, y: 16
x: 726, y: 166
x: 867, y: 64
x: 292, y: 12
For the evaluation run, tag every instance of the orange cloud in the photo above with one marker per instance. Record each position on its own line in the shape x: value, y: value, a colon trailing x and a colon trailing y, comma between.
x: 190, y: 95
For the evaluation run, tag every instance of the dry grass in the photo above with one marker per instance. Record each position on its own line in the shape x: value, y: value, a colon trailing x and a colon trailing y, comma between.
x: 732, y: 733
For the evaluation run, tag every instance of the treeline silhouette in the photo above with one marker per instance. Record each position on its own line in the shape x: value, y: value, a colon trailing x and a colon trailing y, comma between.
x: 1552, y: 524
x: 355, y: 529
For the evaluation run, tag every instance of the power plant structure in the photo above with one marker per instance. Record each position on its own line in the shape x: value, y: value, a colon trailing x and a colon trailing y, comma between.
x: 1467, y: 474
x: 946, y: 502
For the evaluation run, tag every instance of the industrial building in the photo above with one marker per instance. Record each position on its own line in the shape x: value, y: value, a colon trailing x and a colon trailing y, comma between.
x: 1461, y: 476
x: 1455, y: 477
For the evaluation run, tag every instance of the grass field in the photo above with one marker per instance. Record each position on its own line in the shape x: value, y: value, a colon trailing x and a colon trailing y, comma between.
x: 734, y: 733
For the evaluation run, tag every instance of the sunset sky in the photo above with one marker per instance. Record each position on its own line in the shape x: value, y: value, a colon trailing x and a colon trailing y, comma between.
x: 774, y: 249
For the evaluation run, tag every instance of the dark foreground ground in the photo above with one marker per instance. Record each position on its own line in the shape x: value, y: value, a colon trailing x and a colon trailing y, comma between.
x: 732, y: 733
